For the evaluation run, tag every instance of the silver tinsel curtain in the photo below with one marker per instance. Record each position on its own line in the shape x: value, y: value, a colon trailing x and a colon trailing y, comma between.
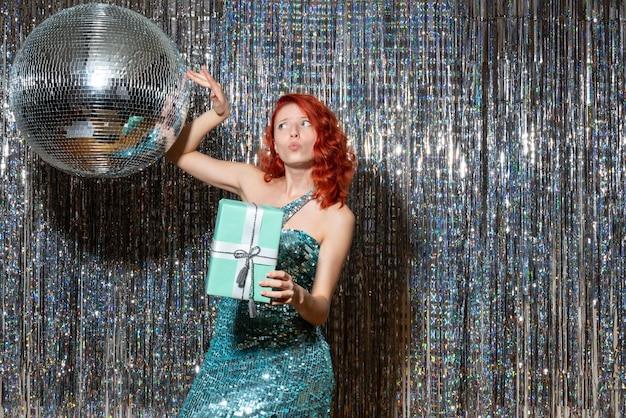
x: 487, y: 272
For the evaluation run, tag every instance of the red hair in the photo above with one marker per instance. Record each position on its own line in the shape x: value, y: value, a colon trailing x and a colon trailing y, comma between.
x: 334, y: 160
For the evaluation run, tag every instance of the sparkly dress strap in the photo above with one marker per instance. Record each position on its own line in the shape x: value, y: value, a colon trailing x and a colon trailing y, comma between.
x: 292, y: 208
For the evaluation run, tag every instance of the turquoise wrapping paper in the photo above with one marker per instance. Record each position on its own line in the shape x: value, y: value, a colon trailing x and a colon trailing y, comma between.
x: 245, y: 243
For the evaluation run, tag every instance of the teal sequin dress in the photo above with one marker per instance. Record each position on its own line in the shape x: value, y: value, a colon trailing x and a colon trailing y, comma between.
x: 273, y: 365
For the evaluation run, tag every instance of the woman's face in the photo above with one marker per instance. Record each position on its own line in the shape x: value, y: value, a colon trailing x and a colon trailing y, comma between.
x: 294, y: 137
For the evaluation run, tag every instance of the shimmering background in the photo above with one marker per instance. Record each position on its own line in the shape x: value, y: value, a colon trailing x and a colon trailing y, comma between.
x: 487, y: 272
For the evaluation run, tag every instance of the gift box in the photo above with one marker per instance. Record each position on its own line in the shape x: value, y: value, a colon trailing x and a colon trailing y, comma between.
x: 244, y: 249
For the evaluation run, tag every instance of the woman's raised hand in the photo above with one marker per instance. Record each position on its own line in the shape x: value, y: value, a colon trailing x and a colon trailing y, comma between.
x: 204, y: 79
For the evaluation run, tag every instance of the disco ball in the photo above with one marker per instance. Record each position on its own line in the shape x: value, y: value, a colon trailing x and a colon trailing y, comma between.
x: 98, y: 90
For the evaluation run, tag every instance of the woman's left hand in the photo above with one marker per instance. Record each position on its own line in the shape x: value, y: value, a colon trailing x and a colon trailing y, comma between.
x: 283, y: 290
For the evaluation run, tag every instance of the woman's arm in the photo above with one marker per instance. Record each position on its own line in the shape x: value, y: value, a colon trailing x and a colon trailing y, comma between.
x: 314, y: 307
x: 184, y: 152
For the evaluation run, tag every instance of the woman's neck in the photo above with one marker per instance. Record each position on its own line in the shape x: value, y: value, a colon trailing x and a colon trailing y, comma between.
x: 297, y: 184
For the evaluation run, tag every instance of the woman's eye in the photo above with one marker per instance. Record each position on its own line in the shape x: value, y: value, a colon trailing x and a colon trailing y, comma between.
x: 306, y: 123
x: 281, y: 126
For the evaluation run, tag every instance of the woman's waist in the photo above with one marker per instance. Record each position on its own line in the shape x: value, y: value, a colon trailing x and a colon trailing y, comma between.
x: 272, y: 326
x: 249, y: 337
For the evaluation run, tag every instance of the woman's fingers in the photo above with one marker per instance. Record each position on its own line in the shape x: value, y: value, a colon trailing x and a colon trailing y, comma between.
x: 278, y: 279
x: 204, y: 79
x: 281, y: 287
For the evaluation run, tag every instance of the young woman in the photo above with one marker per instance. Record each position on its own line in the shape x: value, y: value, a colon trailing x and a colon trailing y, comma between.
x: 277, y: 364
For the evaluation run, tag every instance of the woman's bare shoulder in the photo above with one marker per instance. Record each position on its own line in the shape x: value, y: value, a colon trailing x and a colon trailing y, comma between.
x: 338, y: 217
x: 341, y: 210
